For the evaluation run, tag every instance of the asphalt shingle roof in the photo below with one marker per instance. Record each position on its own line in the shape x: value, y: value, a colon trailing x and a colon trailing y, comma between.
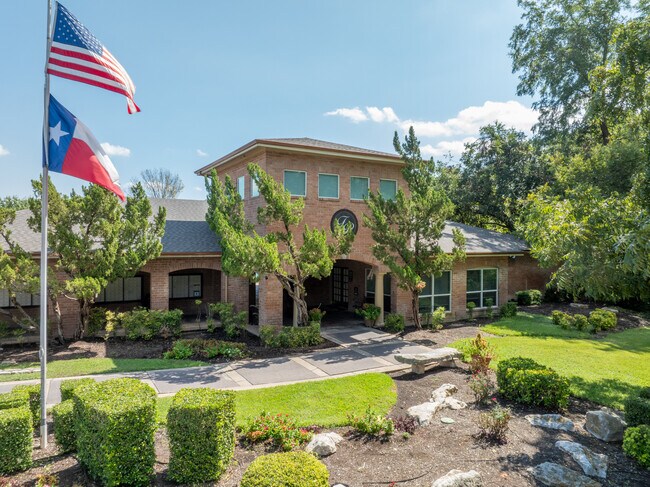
x: 481, y: 241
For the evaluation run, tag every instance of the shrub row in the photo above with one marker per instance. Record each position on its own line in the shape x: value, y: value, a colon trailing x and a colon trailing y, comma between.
x: 292, y: 469
x: 33, y: 392
x: 138, y: 324
x: 637, y: 408
x: 529, y: 297
x: 16, y: 432
x: 598, y: 320
x: 205, y: 349
x: 14, y: 399
x: 290, y: 336
x: 64, y: 424
x: 525, y: 381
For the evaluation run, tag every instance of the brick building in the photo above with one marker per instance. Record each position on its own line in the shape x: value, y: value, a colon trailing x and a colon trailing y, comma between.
x: 333, y: 180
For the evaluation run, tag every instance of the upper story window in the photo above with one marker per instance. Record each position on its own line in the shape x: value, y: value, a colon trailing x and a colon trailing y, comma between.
x: 359, y: 188
x: 328, y: 186
x: 296, y: 183
x: 388, y: 188
x: 24, y: 299
x: 483, y: 284
x: 186, y: 286
x: 120, y: 290
x: 241, y: 186
x: 436, y: 293
x: 255, y: 191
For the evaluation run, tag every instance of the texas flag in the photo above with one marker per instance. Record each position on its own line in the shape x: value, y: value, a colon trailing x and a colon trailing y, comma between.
x: 74, y: 151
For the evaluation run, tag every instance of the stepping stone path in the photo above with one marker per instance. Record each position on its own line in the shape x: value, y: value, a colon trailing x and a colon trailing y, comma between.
x: 458, y: 478
x: 555, y: 475
x: 593, y: 464
x: 324, y: 444
x: 440, y: 399
x: 605, y: 425
x: 551, y: 421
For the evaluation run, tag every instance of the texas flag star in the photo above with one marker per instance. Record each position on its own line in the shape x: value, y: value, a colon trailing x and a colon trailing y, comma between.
x: 56, y: 133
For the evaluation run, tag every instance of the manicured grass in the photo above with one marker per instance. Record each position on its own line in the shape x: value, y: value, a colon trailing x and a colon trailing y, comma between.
x: 88, y: 366
x: 324, y: 403
x: 604, y: 370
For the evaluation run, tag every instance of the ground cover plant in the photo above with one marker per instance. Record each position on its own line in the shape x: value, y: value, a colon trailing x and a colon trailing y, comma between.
x: 371, y: 423
x: 279, y: 431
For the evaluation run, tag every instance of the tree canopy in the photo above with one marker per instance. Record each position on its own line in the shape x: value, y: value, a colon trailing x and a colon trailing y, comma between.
x: 161, y: 183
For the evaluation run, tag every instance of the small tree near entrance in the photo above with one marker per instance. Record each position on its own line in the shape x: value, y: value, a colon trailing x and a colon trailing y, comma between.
x: 246, y: 253
x: 407, y: 229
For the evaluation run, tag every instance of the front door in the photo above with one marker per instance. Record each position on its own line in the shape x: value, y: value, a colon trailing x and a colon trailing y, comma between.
x: 340, y: 280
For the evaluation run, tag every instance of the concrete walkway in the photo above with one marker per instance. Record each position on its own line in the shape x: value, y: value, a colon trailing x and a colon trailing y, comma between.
x: 362, y: 350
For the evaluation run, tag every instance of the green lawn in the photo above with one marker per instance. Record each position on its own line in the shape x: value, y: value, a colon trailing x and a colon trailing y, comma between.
x: 604, y: 370
x: 324, y: 403
x: 88, y: 366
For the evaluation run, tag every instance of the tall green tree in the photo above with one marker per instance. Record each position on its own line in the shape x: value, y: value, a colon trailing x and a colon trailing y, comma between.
x: 407, y: 229
x: 495, y: 175
x: 288, y: 250
x: 96, y: 240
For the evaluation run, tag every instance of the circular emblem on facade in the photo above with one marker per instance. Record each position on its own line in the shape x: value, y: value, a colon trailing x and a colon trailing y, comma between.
x: 345, y: 217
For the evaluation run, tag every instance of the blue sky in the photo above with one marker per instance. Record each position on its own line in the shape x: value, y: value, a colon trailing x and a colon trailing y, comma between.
x: 212, y: 75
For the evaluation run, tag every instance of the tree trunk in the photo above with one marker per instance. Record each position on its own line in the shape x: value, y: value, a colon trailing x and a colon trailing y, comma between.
x: 415, y: 307
x: 301, y: 304
x: 56, y: 307
x: 32, y: 324
x: 84, y: 317
x: 604, y: 131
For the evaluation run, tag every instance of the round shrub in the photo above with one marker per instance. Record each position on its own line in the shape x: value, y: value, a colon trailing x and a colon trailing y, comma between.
x: 636, y: 443
x: 201, y: 430
x: 68, y: 386
x: 63, y: 415
x: 33, y: 391
x: 531, y: 296
x: 16, y: 434
x: 525, y: 381
x: 508, y: 310
x: 601, y: 319
x: 393, y: 323
x: 637, y: 409
x: 115, y: 423
x: 291, y: 469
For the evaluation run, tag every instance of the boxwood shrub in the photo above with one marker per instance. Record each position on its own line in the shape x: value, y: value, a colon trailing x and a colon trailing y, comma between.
x: 531, y: 296
x: 14, y: 399
x: 636, y: 443
x: 602, y: 319
x: 115, y: 423
x: 525, y: 381
x: 508, y: 310
x: 34, y: 393
x: 637, y: 408
x: 16, y: 434
x: 291, y: 469
x: 64, y: 434
x: 393, y: 323
x: 201, y: 430
x: 290, y: 336
x: 68, y: 386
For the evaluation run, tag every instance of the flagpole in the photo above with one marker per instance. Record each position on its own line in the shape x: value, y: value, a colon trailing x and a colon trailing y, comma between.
x: 42, y: 352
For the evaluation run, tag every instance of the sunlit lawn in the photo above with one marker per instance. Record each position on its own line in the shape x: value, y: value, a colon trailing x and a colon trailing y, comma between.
x: 604, y: 370
x: 324, y: 403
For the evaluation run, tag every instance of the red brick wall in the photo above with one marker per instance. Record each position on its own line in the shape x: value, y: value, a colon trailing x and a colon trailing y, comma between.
x: 525, y: 273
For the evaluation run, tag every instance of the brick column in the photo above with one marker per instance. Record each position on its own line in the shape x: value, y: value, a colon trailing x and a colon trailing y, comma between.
x: 459, y: 291
x: 159, y: 287
x: 402, y: 300
x: 270, y: 306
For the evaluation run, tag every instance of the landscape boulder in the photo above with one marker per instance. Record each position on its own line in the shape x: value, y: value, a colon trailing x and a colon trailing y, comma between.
x: 605, y: 425
x: 324, y: 444
x: 458, y: 478
x: 440, y: 399
x: 551, y: 421
x: 593, y: 464
x: 555, y: 475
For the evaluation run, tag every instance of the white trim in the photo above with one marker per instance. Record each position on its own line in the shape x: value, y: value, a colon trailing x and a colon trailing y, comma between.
x: 254, y: 185
x: 284, y: 174
x: 433, y: 292
x: 338, y: 186
x: 241, y: 190
x: 394, y: 180
x: 358, y: 177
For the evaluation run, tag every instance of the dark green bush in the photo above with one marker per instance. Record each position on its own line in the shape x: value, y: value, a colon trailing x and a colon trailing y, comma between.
x: 115, y: 422
x: 601, y: 319
x: 525, y: 381
x: 637, y: 408
x: 290, y: 336
x: 580, y: 322
x: 636, y: 443
x: 393, y: 323
x: 201, y: 429
x: 531, y: 296
x: 233, y: 324
x: 567, y: 321
x: 63, y: 415
x: 508, y: 310
x: 16, y: 433
x: 34, y: 393
x: 14, y: 399
x: 291, y: 469
x: 205, y: 349
x: 68, y: 386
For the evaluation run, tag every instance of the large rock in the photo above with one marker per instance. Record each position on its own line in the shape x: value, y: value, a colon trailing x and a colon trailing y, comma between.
x: 605, y: 425
x: 593, y: 464
x: 324, y: 444
x: 555, y: 475
x: 423, y: 412
x: 442, y: 392
x: 458, y: 478
x: 551, y: 421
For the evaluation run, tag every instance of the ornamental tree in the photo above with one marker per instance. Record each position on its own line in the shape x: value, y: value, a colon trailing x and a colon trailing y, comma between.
x: 407, y: 229
x: 289, y: 250
x: 96, y: 240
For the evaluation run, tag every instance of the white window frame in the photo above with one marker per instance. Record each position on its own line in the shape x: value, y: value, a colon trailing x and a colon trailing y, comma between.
x: 358, y: 177
x: 255, y: 191
x: 284, y: 177
x: 483, y: 291
x: 434, y: 294
x: 338, y: 186
x: 392, y: 180
x: 241, y: 186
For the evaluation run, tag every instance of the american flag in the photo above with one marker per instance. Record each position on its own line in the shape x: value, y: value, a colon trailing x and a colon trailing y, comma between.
x: 77, y: 55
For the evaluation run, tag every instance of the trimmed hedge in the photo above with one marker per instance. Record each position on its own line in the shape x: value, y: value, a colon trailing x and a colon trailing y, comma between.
x: 68, y: 386
x: 636, y: 443
x: 525, y: 381
x: 201, y: 430
x: 292, y: 469
x: 508, y: 310
x: 290, y: 336
x: 16, y: 433
x: 637, y: 408
x: 64, y: 434
x: 34, y: 393
x: 115, y: 423
x: 531, y: 296
x: 14, y: 399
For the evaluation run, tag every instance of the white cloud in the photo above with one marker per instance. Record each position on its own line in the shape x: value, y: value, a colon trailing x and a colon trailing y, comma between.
x: 355, y: 114
x: 115, y: 150
x: 3, y: 151
x: 200, y: 153
x: 386, y: 114
x: 446, y: 147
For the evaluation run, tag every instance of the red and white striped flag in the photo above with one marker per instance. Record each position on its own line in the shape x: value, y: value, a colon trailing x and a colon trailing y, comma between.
x: 77, y: 55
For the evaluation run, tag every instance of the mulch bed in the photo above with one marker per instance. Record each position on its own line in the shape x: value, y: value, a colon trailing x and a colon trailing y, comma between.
x: 428, y: 454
